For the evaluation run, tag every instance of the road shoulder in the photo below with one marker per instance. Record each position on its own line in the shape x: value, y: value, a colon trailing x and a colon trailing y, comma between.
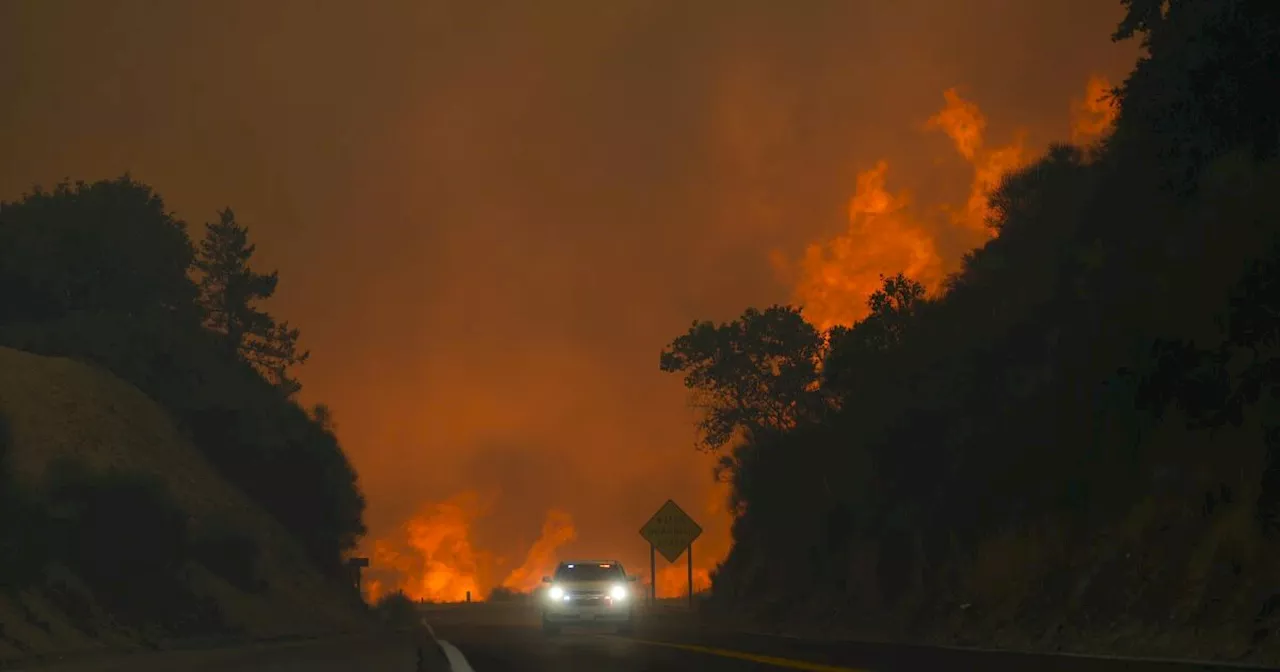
x: 437, y: 655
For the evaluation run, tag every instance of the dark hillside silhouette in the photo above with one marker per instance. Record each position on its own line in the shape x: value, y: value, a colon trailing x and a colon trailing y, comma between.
x: 103, y: 273
x: 1076, y: 444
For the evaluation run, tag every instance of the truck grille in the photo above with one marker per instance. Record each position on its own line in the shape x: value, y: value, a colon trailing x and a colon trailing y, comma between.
x: 586, y: 596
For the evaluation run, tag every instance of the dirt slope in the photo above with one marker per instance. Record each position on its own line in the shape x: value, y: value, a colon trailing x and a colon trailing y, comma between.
x: 59, y: 408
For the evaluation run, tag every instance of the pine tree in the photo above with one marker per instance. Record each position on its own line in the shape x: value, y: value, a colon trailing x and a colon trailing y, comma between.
x: 229, y: 293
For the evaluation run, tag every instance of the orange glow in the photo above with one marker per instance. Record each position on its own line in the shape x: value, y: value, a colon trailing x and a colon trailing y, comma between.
x: 988, y: 171
x: 837, y: 276
x: 673, y: 580
x: 431, y: 557
x: 373, y: 590
x: 962, y: 121
x: 541, y: 560
x: 486, y: 243
x: 1094, y: 114
x: 965, y: 124
x: 834, y: 278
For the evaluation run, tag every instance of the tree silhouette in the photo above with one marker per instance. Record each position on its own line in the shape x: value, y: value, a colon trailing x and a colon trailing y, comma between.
x: 103, y: 273
x: 1203, y: 88
x: 102, y: 248
x: 756, y: 374
x: 1106, y: 364
x: 230, y: 292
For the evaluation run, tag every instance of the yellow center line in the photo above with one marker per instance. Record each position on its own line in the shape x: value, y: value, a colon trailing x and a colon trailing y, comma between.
x: 753, y: 657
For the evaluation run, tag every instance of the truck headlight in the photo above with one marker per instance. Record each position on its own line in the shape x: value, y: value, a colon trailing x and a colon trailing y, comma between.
x: 618, y: 592
x: 556, y: 593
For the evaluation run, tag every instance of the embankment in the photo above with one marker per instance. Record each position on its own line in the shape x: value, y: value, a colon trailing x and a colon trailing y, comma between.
x: 118, y: 534
x: 1176, y: 578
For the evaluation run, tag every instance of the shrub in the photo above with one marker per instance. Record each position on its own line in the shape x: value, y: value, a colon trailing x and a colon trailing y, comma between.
x: 127, y: 538
x: 504, y: 594
x: 231, y: 554
x: 395, y: 608
x: 101, y: 272
x: 123, y: 526
x: 24, y: 543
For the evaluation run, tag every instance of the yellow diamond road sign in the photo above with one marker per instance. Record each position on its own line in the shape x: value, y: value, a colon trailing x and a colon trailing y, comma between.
x: 670, y: 530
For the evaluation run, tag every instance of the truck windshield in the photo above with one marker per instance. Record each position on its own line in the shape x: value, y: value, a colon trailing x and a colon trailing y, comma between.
x: 590, y: 572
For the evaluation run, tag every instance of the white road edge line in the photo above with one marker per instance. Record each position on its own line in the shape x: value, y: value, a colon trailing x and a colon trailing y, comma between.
x: 457, y: 661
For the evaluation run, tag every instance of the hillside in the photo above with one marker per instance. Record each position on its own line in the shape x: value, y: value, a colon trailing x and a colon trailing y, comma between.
x: 1169, y: 580
x: 237, y: 571
x: 1074, y: 443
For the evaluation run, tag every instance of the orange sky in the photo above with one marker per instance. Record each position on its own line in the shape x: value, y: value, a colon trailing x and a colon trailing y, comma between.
x: 490, y: 217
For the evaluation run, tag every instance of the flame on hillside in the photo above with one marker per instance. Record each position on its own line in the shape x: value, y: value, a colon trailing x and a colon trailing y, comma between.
x: 965, y: 124
x: 431, y: 557
x: 1093, y: 115
x: 833, y: 279
x: 673, y: 580
x: 541, y: 560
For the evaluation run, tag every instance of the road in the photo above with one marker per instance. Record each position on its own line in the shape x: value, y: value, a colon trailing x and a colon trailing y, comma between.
x: 380, y: 652
x: 507, y: 638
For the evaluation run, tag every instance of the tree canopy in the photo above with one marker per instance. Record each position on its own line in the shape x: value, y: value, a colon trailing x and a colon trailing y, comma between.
x: 229, y: 293
x: 103, y: 272
x: 756, y: 374
x: 1082, y: 369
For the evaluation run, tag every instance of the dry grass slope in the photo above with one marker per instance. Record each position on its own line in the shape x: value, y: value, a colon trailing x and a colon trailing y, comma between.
x: 59, y: 408
x: 1170, y: 578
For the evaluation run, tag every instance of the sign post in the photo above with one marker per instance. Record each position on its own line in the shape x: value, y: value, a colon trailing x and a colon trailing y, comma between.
x: 670, y: 532
x: 356, y: 564
x: 689, y: 556
x: 653, y: 576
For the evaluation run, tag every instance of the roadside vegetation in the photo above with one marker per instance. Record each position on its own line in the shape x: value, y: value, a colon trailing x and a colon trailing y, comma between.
x: 1075, y: 445
x: 396, y: 608
x: 158, y: 477
x: 504, y: 594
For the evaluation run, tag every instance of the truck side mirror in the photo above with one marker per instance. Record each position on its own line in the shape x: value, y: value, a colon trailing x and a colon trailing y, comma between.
x: 546, y: 579
x: 633, y: 578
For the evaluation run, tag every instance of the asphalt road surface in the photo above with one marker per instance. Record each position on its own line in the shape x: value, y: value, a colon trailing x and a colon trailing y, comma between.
x: 508, y: 638
x: 380, y: 652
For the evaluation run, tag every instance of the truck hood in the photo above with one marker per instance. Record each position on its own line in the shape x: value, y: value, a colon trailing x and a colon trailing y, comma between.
x: 602, y: 586
x: 589, y: 585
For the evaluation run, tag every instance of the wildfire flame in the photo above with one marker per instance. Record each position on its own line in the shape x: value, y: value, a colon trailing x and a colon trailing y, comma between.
x: 965, y: 124
x: 962, y: 121
x: 1095, y: 114
x: 834, y: 278
x: 431, y: 556
x: 673, y: 580
x: 557, y: 531
x: 837, y: 275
